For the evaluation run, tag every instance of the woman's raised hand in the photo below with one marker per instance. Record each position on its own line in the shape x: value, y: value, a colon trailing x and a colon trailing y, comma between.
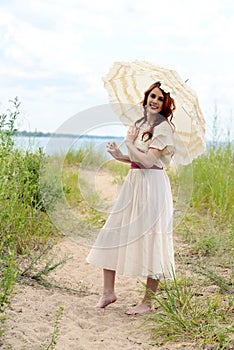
x: 113, y: 149
x: 132, y: 134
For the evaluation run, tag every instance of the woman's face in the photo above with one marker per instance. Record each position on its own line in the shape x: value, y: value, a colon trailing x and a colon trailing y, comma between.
x: 155, y: 101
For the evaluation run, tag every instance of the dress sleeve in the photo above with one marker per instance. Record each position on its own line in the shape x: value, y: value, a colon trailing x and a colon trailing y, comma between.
x: 163, y: 138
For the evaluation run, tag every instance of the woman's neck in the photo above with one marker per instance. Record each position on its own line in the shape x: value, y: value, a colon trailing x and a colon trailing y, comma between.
x: 153, y: 118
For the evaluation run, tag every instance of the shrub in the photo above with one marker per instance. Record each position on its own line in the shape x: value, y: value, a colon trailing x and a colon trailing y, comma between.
x: 24, y: 227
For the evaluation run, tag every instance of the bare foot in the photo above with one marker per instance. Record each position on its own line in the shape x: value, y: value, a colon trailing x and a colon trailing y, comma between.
x: 140, y: 308
x: 105, y: 300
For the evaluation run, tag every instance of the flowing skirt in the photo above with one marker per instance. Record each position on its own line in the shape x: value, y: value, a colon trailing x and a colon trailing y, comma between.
x: 136, y: 239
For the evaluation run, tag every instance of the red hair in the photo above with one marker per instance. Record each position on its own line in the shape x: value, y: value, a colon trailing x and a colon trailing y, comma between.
x: 166, y: 112
x: 168, y: 102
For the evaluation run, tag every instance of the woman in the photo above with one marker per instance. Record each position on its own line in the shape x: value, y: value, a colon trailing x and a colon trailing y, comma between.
x: 136, y: 239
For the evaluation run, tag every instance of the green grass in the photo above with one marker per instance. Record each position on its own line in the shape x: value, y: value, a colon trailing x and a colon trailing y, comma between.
x: 24, y: 225
x: 88, y: 155
x: 119, y: 170
x: 203, y: 312
x: 84, y: 201
x: 214, y: 182
x: 78, y: 182
x: 183, y: 315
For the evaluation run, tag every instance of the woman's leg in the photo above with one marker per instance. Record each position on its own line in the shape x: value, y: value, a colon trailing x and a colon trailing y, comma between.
x: 151, y: 286
x: 108, y: 295
x: 146, y: 304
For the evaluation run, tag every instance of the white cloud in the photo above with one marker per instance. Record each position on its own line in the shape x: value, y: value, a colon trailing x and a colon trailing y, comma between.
x: 54, y: 53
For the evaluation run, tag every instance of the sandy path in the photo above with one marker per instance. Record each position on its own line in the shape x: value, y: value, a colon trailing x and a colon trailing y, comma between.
x: 31, y: 320
x: 82, y: 327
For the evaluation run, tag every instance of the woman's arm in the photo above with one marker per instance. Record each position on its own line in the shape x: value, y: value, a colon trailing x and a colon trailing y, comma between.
x: 113, y: 149
x: 147, y: 159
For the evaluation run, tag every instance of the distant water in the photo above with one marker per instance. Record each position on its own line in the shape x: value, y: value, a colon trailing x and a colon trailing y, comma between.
x: 54, y: 145
x: 57, y: 145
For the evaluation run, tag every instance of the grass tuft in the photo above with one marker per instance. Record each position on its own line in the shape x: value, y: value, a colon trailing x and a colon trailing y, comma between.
x: 183, y: 316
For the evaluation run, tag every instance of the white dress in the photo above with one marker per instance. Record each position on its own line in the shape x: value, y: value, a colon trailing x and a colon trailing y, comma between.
x: 136, y: 239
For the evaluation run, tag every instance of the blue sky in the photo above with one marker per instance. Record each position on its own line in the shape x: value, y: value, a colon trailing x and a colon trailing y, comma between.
x: 54, y: 53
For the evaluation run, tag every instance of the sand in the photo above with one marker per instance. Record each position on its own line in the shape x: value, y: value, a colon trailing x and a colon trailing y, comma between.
x: 31, y: 319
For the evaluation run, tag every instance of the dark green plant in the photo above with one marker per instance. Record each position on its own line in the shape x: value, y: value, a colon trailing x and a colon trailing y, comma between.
x: 7, y: 125
x: 55, y: 334
x: 24, y: 227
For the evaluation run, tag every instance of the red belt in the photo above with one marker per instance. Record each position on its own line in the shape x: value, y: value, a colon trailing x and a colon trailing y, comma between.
x: 136, y: 166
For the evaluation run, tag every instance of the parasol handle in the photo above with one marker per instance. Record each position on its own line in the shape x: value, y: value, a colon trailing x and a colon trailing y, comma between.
x: 121, y: 143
